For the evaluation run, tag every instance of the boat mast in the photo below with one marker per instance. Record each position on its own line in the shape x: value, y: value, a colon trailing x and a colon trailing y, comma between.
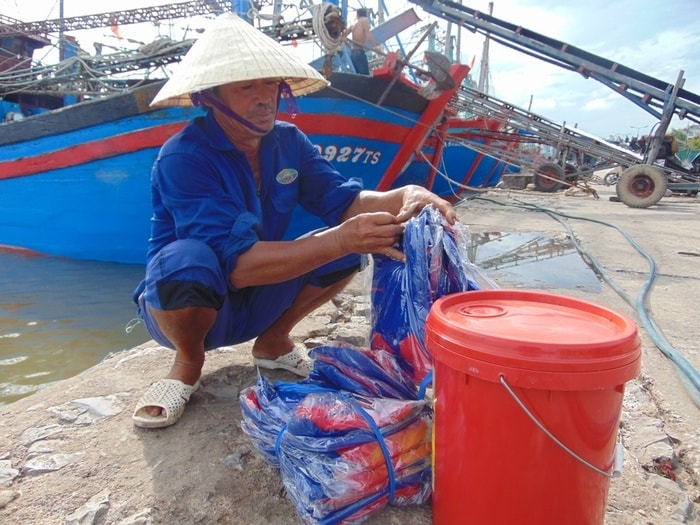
x: 449, y: 48
x: 61, y: 43
x: 483, y: 85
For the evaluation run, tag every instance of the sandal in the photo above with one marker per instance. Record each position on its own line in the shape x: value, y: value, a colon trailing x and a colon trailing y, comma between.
x: 169, y: 394
x: 295, y: 361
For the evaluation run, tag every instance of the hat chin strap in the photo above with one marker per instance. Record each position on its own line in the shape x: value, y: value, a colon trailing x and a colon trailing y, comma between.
x: 204, y: 98
x: 290, y: 103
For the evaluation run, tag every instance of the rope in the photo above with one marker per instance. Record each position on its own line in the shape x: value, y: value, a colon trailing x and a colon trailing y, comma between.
x: 322, y: 14
x: 133, y: 323
x: 571, y: 184
x: 89, y: 71
x: 450, y: 180
x: 382, y: 444
x: 311, y: 388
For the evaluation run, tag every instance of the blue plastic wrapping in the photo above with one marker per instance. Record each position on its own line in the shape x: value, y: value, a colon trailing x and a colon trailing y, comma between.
x: 265, y: 410
x: 436, y: 265
x: 355, y: 435
x: 375, y: 373
x: 342, y: 456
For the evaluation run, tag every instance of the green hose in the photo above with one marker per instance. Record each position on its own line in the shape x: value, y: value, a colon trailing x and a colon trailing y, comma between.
x: 688, y: 375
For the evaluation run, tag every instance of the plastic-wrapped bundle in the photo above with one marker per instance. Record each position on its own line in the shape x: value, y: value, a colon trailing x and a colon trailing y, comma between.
x: 265, y: 410
x: 352, y: 438
x: 374, y: 373
x: 344, y: 457
x: 343, y: 367
x: 403, y: 293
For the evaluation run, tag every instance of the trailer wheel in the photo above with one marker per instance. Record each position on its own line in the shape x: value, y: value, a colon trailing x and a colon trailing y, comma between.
x: 548, y: 177
x: 641, y: 186
x: 611, y: 177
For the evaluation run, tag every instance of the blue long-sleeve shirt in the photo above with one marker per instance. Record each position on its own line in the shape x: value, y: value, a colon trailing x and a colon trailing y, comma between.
x: 203, y: 188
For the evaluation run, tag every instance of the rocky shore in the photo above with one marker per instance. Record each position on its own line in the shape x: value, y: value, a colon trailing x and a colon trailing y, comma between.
x: 69, y: 453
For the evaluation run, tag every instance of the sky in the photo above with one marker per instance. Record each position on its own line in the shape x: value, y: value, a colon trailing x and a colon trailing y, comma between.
x: 658, y: 39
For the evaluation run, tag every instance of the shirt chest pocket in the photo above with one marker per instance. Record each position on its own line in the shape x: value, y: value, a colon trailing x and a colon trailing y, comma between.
x: 284, y: 196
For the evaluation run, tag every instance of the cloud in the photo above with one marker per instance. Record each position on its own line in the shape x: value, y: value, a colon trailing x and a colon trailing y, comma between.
x: 656, y: 40
x: 634, y: 33
x: 600, y: 103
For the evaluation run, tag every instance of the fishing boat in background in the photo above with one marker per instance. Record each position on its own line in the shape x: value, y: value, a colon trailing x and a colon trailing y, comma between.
x: 78, y: 139
x: 74, y: 182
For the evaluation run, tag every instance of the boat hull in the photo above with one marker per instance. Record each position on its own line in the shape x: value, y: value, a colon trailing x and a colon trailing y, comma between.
x: 76, y: 182
x: 363, y: 139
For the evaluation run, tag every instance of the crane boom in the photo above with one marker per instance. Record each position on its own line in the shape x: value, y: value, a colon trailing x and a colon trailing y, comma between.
x: 660, y: 98
x: 131, y: 16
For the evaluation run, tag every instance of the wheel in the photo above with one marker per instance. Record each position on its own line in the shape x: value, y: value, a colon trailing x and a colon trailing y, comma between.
x: 641, y: 186
x: 570, y: 171
x: 611, y: 178
x: 548, y: 177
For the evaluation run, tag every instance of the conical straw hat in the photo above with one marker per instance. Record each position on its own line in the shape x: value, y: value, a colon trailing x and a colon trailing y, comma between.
x: 232, y: 50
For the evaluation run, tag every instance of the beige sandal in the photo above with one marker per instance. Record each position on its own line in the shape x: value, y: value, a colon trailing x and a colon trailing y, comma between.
x: 296, y: 361
x: 169, y: 394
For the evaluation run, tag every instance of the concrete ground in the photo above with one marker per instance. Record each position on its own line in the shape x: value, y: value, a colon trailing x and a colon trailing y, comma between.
x: 70, y: 454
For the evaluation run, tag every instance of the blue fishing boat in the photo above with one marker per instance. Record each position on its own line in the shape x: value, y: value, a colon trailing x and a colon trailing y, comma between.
x: 75, y: 163
x: 74, y: 182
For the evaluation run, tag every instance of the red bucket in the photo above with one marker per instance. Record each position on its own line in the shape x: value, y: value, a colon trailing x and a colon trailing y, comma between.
x: 528, y: 392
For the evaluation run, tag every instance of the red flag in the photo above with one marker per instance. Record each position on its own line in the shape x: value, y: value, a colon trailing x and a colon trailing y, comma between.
x: 115, y: 26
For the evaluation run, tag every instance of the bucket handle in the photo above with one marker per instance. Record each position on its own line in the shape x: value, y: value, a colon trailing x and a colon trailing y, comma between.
x: 619, y: 452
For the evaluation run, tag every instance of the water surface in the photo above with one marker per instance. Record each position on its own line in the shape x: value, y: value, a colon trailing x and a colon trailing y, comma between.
x: 532, y: 260
x: 59, y: 317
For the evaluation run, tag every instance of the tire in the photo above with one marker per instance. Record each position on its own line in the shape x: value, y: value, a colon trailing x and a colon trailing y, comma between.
x: 548, y: 177
x: 611, y: 178
x: 641, y: 186
x: 570, y: 171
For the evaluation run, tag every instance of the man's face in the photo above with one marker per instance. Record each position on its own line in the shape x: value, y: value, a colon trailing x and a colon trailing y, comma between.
x: 254, y: 100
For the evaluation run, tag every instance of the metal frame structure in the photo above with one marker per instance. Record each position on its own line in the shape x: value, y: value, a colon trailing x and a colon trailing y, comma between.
x: 129, y: 16
x: 520, y: 126
x: 643, y: 183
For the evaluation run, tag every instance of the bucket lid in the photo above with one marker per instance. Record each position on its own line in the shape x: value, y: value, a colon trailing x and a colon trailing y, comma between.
x: 540, y: 338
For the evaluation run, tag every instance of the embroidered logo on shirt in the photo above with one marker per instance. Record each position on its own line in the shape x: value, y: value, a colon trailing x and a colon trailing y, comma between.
x: 287, y: 176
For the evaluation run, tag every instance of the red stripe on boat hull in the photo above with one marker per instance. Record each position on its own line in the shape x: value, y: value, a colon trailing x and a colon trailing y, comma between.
x: 83, y: 153
x: 325, y: 124
x: 155, y: 137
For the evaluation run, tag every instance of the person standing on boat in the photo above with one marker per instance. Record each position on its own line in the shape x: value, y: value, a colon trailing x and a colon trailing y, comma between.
x: 223, y: 191
x: 362, y: 40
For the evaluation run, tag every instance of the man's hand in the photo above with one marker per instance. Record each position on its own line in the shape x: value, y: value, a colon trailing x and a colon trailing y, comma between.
x: 366, y: 230
x: 376, y: 232
x: 415, y: 198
